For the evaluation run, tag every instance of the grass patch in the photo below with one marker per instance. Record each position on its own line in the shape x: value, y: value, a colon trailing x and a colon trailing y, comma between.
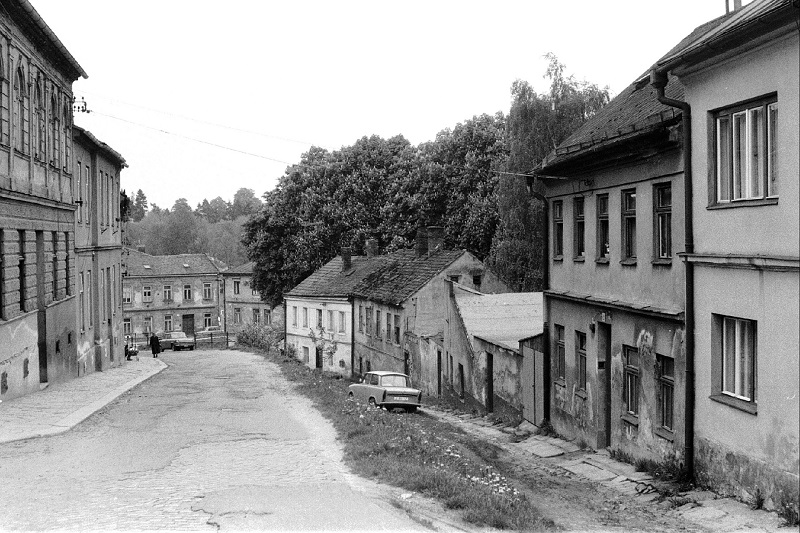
x: 418, y: 453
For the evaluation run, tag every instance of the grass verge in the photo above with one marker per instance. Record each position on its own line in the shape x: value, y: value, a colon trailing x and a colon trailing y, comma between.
x: 417, y: 453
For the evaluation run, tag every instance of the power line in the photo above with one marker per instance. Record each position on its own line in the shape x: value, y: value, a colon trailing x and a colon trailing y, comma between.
x: 208, y: 123
x: 191, y: 138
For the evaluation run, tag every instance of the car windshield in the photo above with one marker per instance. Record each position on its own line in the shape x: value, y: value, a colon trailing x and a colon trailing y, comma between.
x: 179, y: 335
x: 395, y: 380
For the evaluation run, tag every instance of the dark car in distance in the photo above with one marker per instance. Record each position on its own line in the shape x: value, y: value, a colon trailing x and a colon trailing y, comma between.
x: 176, y: 340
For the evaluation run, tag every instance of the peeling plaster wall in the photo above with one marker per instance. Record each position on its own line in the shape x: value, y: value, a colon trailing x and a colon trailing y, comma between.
x: 581, y: 415
x: 20, y: 340
x: 298, y: 335
x: 507, y: 373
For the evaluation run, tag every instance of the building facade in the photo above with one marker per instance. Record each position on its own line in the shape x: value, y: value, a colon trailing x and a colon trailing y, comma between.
x: 162, y: 293
x: 37, y: 213
x: 98, y: 253
x: 242, y: 304
x: 742, y: 83
x: 614, y: 307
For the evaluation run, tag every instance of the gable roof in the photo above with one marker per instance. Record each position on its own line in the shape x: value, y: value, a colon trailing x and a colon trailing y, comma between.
x: 501, y: 319
x: 82, y: 135
x: 329, y: 280
x: 404, y: 274
x: 241, y: 270
x: 632, y: 114
x: 142, y: 264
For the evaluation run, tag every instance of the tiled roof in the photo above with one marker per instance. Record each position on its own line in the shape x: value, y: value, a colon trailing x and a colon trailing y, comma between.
x: 502, y: 319
x: 242, y: 270
x: 404, y: 274
x: 632, y: 113
x: 142, y: 264
x: 330, y: 281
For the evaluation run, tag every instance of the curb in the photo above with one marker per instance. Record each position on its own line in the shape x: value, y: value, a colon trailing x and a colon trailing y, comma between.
x: 82, y: 413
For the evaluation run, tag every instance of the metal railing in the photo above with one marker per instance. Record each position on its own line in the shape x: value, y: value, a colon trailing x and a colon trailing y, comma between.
x: 218, y: 339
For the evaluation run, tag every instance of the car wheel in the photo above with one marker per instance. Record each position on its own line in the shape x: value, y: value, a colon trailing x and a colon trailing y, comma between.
x: 174, y: 348
x: 350, y: 396
x: 411, y: 409
x: 372, y: 402
x: 191, y: 348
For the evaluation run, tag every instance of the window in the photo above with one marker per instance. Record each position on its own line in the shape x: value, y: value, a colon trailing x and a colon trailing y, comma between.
x: 560, y: 354
x: 23, y: 274
x: 342, y: 324
x: 631, y: 383
x: 55, y: 265
x: 236, y: 287
x: 368, y: 329
x: 305, y: 317
x: 40, y: 128
x: 147, y: 325
x: 67, y: 269
x: 267, y: 317
x: 126, y: 294
x: 378, y: 323
x: 86, y: 205
x: 187, y: 292
x: 319, y: 319
x: 254, y: 291
x: 126, y: 326
x: 79, y: 194
x: 20, y: 119
x: 167, y: 322
x: 746, y: 151
x: 147, y: 293
x: 89, y: 300
x: 662, y: 212
x: 167, y: 293
x: 256, y: 316
x: 397, y: 329
x: 739, y: 358
x: 55, y: 133
x: 578, y: 244
x: 476, y: 281
x: 206, y: 320
x: 558, y: 229
x: 629, y: 224
x: 294, y: 315
x: 388, y: 327
x: 580, y: 358
x: 331, y: 325
x: 82, y: 303
x: 603, y: 246
x: 306, y: 357
x: 666, y: 391
x: 206, y: 291
x: 237, y: 315
x: 361, y: 319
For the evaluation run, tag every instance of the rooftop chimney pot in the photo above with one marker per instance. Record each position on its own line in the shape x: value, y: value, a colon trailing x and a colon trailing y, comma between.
x: 346, y: 259
x: 422, y: 242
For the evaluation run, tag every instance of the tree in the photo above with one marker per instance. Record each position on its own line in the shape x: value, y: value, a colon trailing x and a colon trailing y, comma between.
x: 139, y: 208
x: 244, y: 203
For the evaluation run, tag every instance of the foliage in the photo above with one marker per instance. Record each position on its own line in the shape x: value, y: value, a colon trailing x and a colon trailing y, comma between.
x: 328, y: 346
x: 139, y: 208
x: 264, y: 337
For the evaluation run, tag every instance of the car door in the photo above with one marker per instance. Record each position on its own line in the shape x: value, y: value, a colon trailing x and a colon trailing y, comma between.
x: 362, y: 389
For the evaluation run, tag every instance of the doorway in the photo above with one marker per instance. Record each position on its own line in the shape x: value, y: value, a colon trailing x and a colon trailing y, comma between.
x: 318, y: 361
x: 438, y: 372
x: 604, y: 380
x: 187, y: 324
x: 489, y: 382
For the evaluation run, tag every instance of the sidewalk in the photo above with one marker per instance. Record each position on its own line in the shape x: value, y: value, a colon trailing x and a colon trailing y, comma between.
x: 62, y: 406
x: 704, y: 508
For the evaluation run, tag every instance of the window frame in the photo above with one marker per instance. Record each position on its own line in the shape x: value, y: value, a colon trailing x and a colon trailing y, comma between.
x: 208, y: 293
x: 719, y: 391
x: 397, y: 325
x: 167, y: 323
x: 147, y: 293
x: 559, y: 344
x: 666, y: 382
x: 603, y: 250
x: 187, y: 290
x: 580, y: 359
x: 558, y: 230
x: 578, y: 228
x: 167, y: 292
x: 631, y: 376
x: 207, y: 320
x: 768, y: 182
x: 662, y: 215
x: 628, y: 232
x: 342, y: 322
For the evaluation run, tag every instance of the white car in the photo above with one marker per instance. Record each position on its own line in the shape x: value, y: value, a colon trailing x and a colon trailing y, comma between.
x: 387, y: 389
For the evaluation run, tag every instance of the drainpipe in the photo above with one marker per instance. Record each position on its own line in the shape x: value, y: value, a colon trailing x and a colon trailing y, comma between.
x: 658, y: 80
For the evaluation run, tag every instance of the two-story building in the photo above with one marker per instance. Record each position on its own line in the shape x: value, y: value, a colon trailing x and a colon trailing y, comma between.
x: 242, y: 303
x: 742, y: 88
x: 163, y: 293
x: 37, y: 213
x: 614, y: 307
x: 98, y: 252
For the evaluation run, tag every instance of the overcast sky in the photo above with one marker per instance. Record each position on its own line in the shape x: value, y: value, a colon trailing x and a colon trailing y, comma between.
x: 267, y: 79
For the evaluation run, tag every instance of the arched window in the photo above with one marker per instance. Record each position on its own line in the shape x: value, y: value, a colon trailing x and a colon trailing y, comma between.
x: 40, y: 128
x: 4, y: 101
x: 55, y: 133
x: 19, y: 111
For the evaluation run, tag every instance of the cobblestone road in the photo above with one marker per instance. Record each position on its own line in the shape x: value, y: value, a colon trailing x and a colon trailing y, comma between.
x: 217, y: 440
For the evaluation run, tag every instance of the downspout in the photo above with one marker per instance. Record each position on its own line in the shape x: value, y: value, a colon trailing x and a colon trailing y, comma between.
x: 658, y: 80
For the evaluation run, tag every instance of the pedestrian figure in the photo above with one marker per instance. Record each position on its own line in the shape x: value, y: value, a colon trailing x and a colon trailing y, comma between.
x: 155, y: 345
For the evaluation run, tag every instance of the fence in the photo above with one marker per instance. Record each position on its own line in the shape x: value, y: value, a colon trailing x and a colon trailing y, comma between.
x: 201, y: 340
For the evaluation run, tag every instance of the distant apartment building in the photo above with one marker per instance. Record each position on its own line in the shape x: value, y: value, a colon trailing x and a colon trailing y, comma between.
x: 163, y: 293
x: 98, y: 253
x: 242, y: 304
x: 37, y: 214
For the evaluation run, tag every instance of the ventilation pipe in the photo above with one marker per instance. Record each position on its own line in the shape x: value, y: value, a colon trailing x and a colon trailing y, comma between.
x: 659, y: 80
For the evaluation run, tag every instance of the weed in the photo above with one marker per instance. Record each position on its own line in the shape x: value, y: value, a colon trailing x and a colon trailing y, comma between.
x: 788, y: 510
x: 758, y: 500
x: 546, y: 429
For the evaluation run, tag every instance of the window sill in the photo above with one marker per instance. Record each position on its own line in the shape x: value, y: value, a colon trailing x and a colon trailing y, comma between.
x: 631, y: 261
x: 744, y: 203
x: 665, y: 434
x: 662, y: 262
x: 558, y: 258
x: 736, y: 403
x: 581, y: 394
x: 561, y: 382
x: 602, y: 261
x: 579, y: 259
x: 628, y: 418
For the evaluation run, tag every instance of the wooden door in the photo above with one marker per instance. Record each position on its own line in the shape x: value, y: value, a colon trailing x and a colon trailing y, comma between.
x: 187, y: 325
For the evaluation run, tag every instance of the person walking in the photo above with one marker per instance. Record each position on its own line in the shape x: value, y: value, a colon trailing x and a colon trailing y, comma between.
x: 155, y: 345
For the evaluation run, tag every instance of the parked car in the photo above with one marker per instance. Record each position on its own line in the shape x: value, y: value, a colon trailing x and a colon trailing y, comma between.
x: 387, y: 389
x: 177, y: 340
x: 210, y: 330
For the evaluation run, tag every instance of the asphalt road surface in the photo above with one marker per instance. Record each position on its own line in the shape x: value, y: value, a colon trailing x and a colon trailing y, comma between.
x: 217, y: 440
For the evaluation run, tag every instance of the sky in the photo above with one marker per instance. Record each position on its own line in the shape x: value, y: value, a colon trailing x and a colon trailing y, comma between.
x: 203, y: 98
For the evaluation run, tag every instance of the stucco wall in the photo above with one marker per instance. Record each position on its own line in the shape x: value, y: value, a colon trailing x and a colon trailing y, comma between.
x: 20, y: 340
x: 299, y: 336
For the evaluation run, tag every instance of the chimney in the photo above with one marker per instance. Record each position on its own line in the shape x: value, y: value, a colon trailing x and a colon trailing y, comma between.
x: 346, y: 259
x: 435, y: 238
x: 371, y: 248
x: 422, y: 242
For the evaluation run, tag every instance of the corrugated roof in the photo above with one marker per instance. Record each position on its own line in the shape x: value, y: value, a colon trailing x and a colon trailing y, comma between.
x: 634, y: 112
x: 502, y: 319
x: 404, y: 274
x: 142, y: 264
x: 330, y: 281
